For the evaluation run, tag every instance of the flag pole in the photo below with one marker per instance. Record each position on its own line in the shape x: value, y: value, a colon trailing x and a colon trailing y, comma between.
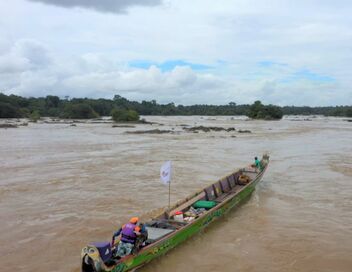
x: 169, y: 192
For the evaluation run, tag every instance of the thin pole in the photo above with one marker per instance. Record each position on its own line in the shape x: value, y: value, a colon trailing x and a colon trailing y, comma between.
x: 169, y: 192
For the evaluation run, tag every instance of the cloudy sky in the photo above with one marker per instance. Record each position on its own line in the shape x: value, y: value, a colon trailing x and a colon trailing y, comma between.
x: 200, y: 51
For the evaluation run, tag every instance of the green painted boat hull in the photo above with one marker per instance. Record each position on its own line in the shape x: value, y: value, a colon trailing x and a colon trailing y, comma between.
x: 164, y: 245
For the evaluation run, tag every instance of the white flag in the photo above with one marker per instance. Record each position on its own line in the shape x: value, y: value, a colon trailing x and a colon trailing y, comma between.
x: 165, y: 172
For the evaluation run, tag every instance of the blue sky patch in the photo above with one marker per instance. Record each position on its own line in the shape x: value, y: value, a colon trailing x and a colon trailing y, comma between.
x: 141, y: 64
x: 305, y: 74
x: 168, y: 65
x: 268, y: 63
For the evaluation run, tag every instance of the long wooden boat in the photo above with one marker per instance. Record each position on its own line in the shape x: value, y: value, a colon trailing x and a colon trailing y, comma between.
x: 165, y: 233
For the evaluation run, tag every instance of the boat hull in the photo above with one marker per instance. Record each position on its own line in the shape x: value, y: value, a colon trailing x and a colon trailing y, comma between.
x: 148, y: 254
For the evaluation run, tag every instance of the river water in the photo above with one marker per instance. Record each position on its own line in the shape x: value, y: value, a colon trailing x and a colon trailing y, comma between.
x: 63, y: 186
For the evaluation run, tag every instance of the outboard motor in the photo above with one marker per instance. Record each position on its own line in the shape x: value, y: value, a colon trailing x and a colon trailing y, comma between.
x: 104, y: 249
x: 95, y: 256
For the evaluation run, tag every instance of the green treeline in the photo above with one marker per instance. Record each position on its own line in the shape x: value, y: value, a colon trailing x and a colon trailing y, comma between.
x: 12, y: 106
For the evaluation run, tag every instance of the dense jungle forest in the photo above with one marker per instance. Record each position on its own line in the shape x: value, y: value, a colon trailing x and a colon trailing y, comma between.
x: 13, y: 106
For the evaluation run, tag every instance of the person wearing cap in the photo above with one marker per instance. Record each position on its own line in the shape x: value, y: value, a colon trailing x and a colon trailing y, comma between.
x: 129, y: 233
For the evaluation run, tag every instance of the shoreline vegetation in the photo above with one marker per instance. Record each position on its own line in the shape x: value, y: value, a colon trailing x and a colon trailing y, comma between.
x: 124, y: 110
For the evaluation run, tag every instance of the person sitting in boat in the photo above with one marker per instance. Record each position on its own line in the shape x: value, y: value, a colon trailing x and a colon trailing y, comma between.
x: 141, y: 239
x: 129, y: 234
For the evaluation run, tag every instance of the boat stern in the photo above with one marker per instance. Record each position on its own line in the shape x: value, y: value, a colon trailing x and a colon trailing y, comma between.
x: 95, y: 255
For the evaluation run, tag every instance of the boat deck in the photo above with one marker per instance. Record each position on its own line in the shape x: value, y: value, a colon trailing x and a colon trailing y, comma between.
x: 217, y: 192
x: 155, y: 234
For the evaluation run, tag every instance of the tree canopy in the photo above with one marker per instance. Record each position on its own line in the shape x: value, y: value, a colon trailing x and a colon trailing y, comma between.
x: 121, y: 115
x: 259, y: 111
x: 13, y: 106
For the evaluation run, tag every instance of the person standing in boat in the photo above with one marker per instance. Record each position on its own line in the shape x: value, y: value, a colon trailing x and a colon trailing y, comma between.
x: 129, y: 234
x: 257, y: 163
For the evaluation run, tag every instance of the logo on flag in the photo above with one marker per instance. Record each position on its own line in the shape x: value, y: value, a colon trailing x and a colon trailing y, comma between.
x: 165, y: 172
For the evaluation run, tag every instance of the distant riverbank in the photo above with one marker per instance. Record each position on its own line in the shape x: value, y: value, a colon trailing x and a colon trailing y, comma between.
x: 12, y: 106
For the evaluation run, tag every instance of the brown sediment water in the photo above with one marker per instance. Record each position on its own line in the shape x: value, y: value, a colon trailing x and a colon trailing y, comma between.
x: 62, y: 187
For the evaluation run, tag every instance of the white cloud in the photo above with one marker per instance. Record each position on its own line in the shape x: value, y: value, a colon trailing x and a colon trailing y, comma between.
x: 80, y: 52
x: 12, y: 63
x: 146, y: 84
x: 33, y: 51
x: 24, y: 55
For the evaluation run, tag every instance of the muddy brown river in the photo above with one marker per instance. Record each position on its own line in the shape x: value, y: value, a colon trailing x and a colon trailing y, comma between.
x: 63, y: 186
